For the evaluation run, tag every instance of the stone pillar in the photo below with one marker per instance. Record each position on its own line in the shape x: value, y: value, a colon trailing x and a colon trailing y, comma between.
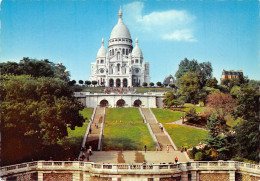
x: 40, y: 176
x: 76, y: 176
x: 184, y: 176
x: 86, y: 177
x: 232, y: 175
x: 194, y: 175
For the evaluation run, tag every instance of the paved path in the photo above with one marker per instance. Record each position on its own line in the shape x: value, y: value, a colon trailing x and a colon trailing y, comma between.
x: 162, y: 138
x: 129, y: 157
x: 179, y: 122
x: 93, y: 138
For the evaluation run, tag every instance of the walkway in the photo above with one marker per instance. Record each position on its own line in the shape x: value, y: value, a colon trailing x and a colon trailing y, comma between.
x: 129, y: 157
x: 93, y: 137
x: 162, y: 138
x: 179, y: 122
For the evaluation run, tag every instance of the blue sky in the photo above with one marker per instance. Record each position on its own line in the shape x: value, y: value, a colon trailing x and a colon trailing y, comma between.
x: 226, y: 33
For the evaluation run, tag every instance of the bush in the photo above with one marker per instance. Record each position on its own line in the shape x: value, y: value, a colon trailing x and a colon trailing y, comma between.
x: 198, y: 156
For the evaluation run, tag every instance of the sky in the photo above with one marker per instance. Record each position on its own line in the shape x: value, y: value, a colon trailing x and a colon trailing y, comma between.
x: 225, y: 33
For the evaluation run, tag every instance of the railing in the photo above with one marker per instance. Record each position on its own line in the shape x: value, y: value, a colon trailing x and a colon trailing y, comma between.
x: 138, y: 168
x: 101, y: 131
x: 87, y: 131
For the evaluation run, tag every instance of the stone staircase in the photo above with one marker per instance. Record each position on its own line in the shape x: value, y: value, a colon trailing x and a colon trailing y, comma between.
x: 160, y: 135
x: 93, y: 137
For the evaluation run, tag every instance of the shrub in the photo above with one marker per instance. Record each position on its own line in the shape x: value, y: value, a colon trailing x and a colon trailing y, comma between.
x: 198, y: 156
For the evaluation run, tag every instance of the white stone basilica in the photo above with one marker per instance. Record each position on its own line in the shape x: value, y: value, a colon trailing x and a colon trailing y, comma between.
x: 122, y: 65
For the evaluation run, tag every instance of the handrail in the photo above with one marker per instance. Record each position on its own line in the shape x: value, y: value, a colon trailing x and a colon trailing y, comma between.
x: 87, y: 132
x: 85, y: 166
x: 101, y: 131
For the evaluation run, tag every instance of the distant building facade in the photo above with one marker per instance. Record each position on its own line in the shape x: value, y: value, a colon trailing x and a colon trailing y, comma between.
x: 231, y: 74
x: 169, y: 80
x: 122, y: 65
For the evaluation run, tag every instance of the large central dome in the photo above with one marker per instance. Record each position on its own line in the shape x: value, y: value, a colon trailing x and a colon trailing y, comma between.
x: 120, y: 30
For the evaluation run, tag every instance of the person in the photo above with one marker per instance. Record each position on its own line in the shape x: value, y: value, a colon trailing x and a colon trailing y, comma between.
x: 145, y: 148
x: 176, y: 159
x: 144, y: 165
x: 167, y: 148
x: 182, y: 149
x: 97, y: 126
x: 90, y: 150
x: 90, y: 130
x: 182, y: 119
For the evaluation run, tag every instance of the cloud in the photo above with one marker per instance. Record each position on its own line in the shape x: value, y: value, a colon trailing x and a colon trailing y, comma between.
x: 180, y: 35
x: 172, y: 24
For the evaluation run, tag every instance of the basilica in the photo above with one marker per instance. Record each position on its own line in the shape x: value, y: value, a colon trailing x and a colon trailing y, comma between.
x: 121, y: 65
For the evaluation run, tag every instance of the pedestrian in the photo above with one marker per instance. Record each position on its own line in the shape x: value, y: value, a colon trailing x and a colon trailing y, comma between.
x: 145, y: 148
x: 176, y: 159
x: 90, y: 130
x: 182, y: 149
x: 167, y: 148
x: 182, y: 119
x: 95, y: 125
x: 144, y: 165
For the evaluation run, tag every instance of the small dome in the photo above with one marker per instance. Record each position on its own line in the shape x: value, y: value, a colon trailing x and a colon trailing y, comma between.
x: 120, y: 30
x: 137, y: 52
x: 102, y: 52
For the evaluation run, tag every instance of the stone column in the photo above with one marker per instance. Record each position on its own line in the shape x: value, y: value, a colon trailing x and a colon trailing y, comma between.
x: 232, y: 175
x: 76, y: 176
x: 194, y: 175
x: 184, y: 176
x: 40, y: 176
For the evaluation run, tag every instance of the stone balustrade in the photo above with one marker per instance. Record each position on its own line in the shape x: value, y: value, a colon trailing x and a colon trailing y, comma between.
x: 137, y: 169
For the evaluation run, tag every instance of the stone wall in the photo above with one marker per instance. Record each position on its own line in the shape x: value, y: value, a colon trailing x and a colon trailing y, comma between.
x: 246, y: 177
x: 214, y: 176
x: 57, y: 176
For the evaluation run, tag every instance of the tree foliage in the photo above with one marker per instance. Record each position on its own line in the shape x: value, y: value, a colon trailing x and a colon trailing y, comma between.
x: 35, y: 113
x: 213, y: 83
x: 145, y: 84
x: 189, y: 85
x: 35, y: 68
x: 159, y: 84
x: 223, y: 104
x: 203, y: 70
x: 172, y: 100
x: 151, y: 84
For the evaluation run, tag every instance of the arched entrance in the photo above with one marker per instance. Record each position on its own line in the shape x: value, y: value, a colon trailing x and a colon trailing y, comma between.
x: 103, y: 103
x: 125, y: 83
x: 111, y: 82
x: 118, y: 83
x: 137, y: 103
x: 120, y: 103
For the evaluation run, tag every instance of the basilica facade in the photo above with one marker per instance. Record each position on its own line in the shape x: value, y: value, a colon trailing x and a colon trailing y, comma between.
x: 122, y: 65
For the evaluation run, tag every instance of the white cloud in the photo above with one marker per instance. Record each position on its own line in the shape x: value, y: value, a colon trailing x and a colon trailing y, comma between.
x: 180, y: 35
x: 171, y: 24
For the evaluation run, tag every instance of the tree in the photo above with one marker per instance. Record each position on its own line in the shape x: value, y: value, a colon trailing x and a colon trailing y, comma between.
x: 159, y: 84
x: 172, y: 86
x: 94, y: 82
x: 35, y: 68
x: 203, y: 70
x: 247, y: 130
x: 171, y: 100
x: 35, y: 114
x: 81, y: 82
x: 212, y: 82
x: 151, y: 84
x: 192, y: 115
x: 165, y: 84
x: 215, y: 139
x: 189, y: 85
x: 223, y: 104
x: 145, y: 84
x: 88, y: 82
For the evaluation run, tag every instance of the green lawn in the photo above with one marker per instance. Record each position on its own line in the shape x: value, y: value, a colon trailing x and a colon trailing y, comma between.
x: 72, y: 142
x: 151, y: 89
x: 166, y: 116
x: 185, y: 136
x: 187, y: 108
x: 87, y: 113
x: 130, y: 134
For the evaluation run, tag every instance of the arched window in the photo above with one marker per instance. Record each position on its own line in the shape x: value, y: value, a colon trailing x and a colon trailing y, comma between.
x: 136, y: 60
x: 112, y: 51
x: 123, y: 51
x: 118, y: 67
x: 101, y: 61
x: 97, y: 61
x: 126, y: 51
